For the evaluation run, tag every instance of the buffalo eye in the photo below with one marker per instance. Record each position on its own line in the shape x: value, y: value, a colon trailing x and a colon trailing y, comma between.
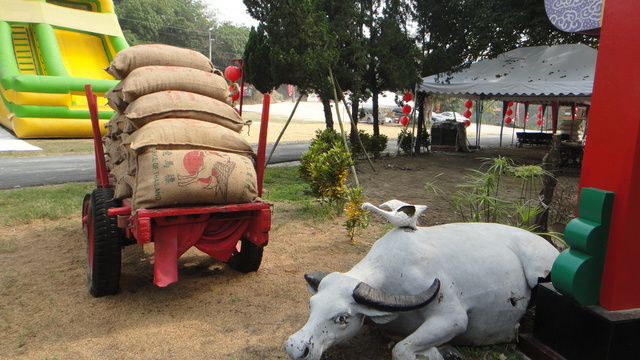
x: 342, y: 319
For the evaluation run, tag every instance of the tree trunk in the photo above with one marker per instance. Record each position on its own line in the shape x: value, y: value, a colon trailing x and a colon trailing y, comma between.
x: 374, y: 109
x: 328, y: 116
x: 355, y: 105
x: 551, y: 164
x: 420, y: 119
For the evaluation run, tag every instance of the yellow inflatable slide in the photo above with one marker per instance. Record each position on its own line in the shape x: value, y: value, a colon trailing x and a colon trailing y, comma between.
x: 49, y: 50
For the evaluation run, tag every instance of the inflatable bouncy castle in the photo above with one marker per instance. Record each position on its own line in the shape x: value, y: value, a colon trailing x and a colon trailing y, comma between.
x: 49, y: 50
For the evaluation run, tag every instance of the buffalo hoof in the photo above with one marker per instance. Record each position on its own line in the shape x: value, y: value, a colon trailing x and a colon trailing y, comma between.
x: 448, y: 352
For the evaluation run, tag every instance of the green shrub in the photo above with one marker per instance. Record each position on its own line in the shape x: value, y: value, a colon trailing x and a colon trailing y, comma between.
x: 326, y: 165
x: 373, y: 145
x: 406, y: 140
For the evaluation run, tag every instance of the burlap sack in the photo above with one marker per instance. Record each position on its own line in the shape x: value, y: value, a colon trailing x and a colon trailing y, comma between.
x: 188, y: 134
x: 180, y: 104
x: 137, y: 56
x: 112, y: 127
x: 149, y: 79
x: 119, y: 124
x: 188, y: 177
x: 123, y: 183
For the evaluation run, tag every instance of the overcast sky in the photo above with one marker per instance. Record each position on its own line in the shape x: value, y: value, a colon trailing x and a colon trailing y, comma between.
x: 232, y: 10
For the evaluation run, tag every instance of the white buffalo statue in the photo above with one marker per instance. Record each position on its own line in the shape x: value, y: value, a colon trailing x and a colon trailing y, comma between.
x: 464, y: 283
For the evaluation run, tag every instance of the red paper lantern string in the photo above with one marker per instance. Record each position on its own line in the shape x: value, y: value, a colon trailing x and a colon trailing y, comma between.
x: 508, y: 119
x: 467, y: 123
x: 407, y: 96
x: 468, y: 104
x: 539, y: 122
x: 404, y: 120
x: 406, y: 109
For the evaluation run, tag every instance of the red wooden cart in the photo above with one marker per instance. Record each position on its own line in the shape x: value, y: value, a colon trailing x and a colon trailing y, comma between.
x: 235, y: 234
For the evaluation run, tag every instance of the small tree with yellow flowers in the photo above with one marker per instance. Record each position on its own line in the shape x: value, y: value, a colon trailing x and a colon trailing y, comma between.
x: 357, y: 218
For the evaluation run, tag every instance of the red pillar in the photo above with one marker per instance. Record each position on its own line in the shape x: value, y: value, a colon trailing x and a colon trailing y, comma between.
x: 612, y: 152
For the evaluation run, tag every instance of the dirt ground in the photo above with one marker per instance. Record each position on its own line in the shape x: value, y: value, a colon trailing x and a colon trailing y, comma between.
x: 213, y: 312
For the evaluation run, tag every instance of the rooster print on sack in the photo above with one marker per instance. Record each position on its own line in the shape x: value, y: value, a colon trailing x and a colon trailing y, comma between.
x: 209, y: 167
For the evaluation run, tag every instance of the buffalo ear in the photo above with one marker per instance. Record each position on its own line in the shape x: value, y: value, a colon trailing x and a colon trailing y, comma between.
x: 313, y: 280
x: 380, y: 317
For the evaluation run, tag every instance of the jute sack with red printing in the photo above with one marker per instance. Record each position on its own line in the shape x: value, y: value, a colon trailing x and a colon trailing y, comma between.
x: 149, y: 79
x: 171, y: 178
x: 137, y: 56
x: 181, y: 104
x: 175, y: 134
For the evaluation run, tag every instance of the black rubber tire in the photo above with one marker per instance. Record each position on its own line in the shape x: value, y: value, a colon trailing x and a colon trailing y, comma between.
x: 104, y: 245
x: 248, y: 259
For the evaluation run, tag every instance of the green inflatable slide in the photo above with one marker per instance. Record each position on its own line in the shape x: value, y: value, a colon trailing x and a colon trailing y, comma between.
x: 49, y: 50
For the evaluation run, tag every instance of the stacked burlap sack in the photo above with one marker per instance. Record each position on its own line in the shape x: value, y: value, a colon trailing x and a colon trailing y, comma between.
x: 175, y: 139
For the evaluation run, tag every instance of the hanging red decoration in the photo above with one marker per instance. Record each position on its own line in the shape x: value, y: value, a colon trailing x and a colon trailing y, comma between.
x: 235, y: 96
x: 510, y: 104
x: 407, y: 96
x: 539, y: 107
x: 232, y: 73
x: 467, y: 123
x: 404, y: 120
x: 539, y: 115
x: 508, y: 120
x: 539, y: 122
x: 468, y: 104
x: 406, y: 109
x: 509, y: 112
x: 467, y: 114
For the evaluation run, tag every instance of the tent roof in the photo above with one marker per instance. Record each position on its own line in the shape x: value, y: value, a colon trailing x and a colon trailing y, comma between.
x: 537, y: 74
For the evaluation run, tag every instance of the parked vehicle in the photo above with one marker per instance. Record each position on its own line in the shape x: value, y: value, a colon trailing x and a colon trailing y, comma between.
x: 448, y: 115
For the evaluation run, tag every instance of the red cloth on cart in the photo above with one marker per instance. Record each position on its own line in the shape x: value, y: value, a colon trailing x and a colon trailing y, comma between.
x: 166, y: 249
x: 215, y: 238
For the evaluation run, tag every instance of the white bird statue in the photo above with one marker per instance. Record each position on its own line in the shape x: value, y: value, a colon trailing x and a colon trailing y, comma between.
x: 401, y: 214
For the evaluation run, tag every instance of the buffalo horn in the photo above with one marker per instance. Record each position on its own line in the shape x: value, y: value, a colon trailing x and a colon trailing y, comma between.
x: 384, y: 301
x: 314, y: 278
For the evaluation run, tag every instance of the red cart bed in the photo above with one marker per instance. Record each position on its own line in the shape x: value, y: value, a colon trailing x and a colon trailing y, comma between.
x: 235, y: 234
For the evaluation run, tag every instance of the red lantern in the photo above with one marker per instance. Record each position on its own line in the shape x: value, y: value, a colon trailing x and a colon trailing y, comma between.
x: 407, y: 96
x: 539, y: 115
x: 232, y: 73
x: 510, y: 104
x: 467, y: 114
x: 467, y: 123
x: 508, y: 120
x: 468, y: 104
x: 509, y: 112
x: 235, y: 96
x: 539, y: 122
x: 539, y: 107
x: 406, y: 109
x: 404, y: 120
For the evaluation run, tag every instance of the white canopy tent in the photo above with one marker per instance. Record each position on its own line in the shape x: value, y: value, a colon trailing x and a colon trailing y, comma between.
x: 539, y: 75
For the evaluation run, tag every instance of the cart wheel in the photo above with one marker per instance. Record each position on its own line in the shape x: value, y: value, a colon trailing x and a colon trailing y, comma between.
x: 104, y: 244
x: 248, y: 258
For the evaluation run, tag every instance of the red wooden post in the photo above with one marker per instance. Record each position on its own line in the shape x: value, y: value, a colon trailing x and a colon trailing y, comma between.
x: 102, y: 177
x: 262, y: 141
x: 612, y: 152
